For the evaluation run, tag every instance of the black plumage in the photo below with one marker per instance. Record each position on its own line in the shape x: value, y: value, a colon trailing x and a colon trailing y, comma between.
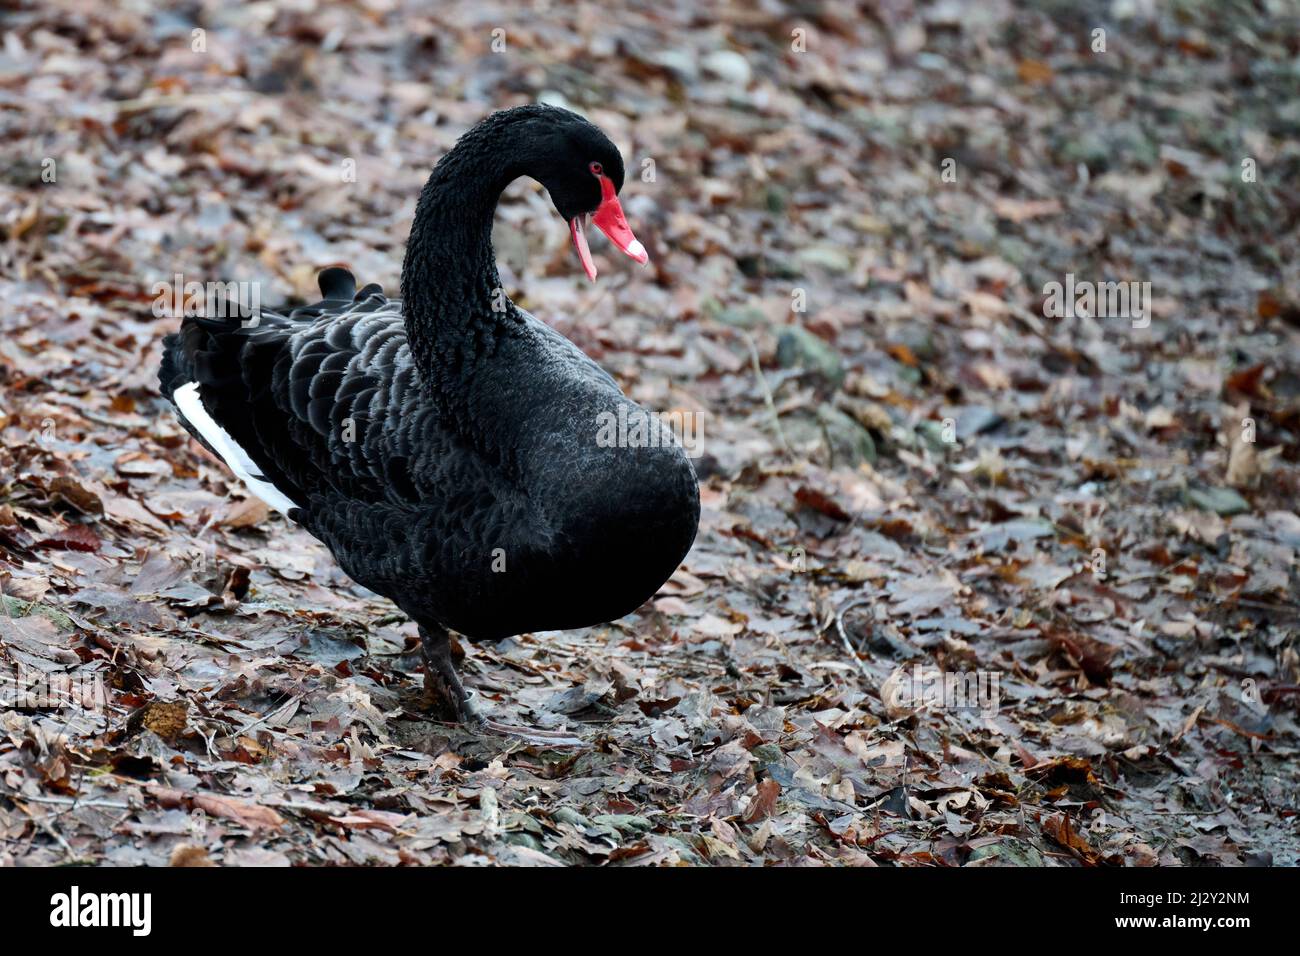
x: 445, y: 446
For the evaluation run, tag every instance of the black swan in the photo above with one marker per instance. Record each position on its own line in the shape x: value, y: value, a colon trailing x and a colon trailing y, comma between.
x: 445, y: 447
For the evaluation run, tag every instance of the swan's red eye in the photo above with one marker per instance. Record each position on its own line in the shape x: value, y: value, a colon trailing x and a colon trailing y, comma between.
x: 596, y: 169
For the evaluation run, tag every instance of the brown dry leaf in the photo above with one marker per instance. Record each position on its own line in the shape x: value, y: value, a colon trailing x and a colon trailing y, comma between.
x: 246, y: 513
x: 138, y: 464
x: 372, y: 820
x: 676, y: 607
x: 1034, y: 71
x: 188, y: 855
x: 1059, y: 829
x: 252, y: 815
x: 76, y: 494
x: 819, y: 501
x: 74, y: 537
x: 763, y: 803
x: 27, y: 588
x: 1248, y: 381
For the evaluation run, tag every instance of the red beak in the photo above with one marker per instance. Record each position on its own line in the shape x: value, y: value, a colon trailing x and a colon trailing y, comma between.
x: 610, y: 220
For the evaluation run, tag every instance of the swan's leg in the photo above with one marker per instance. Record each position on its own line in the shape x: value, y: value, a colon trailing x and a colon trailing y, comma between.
x: 440, y: 677
x: 449, y: 697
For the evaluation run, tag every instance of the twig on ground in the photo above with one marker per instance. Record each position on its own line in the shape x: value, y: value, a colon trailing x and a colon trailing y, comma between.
x: 767, y: 391
x: 844, y: 637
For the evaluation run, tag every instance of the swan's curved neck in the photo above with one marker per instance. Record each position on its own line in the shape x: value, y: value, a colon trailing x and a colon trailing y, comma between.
x: 452, y: 298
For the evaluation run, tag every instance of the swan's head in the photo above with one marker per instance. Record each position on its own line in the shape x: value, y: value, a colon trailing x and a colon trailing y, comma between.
x: 583, y: 173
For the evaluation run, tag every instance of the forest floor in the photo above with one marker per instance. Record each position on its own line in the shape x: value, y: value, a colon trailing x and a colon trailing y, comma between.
x: 975, y: 584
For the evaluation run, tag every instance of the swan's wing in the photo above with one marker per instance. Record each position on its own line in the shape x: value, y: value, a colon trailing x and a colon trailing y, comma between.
x: 323, y: 401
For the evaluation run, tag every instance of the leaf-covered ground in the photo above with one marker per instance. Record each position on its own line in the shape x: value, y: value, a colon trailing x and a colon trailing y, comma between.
x: 909, y: 469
